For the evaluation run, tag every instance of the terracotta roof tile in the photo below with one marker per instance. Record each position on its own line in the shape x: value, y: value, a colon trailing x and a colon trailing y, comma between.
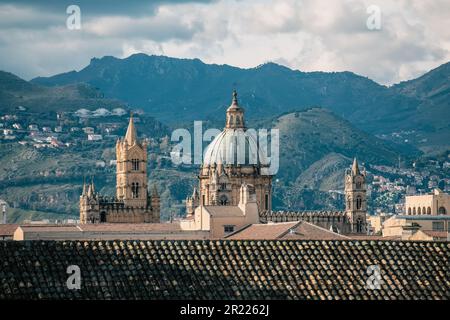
x: 263, y: 231
x: 285, y: 230
x: 436, y: 234
x: 225, y: 269
x: 7, y: 229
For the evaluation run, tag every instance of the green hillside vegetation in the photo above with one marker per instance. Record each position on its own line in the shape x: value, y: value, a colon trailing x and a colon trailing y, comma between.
x: 308, y: 136
x: 325, y: 174
x: 15, y: 92
x: 16, y: 215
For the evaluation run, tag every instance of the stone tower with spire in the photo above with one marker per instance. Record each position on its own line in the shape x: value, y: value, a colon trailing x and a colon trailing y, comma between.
x: 131, y: 168
x: 356, y: 198
x: 133, y: 202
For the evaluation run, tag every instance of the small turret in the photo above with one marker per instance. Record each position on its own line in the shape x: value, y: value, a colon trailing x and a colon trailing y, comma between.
x: 235, y: 114
x: 192, y: 202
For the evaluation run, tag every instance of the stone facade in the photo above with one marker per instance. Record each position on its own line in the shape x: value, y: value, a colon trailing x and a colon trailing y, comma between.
x: 133, y: 202
x: 220, y: 220
x: 437, y: 203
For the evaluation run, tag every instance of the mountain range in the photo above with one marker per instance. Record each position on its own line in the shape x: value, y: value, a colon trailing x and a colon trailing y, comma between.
x: 193, y: 90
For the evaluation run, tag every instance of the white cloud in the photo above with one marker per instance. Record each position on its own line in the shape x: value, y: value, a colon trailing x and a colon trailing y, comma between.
x: 307, y: 35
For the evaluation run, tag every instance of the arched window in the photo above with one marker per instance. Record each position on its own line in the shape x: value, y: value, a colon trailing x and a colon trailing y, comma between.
x: 358, y: 202
x: 429, y: 210
x: 359, y: 225
x: 135, y: 190
x: 358, y: 185
x: 135, y: 164
x: 231, y: 120
x: 223, y: 201
x: 103, y: 216
x: 409, y: 211
x: 266, y: 202
x: 419, y: 211
x: 414, y: 210
x: 424, y: 211
x: 442, y: 210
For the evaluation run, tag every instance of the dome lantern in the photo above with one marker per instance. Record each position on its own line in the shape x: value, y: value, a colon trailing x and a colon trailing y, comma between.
x: 235, y: 114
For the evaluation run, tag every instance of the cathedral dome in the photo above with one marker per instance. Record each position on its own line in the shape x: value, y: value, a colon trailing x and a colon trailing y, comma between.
x: 234, y: 145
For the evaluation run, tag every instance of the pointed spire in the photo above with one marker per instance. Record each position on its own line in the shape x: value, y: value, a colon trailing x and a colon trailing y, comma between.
x: 195, y: 194
x: 355, y: 167
x: 84, y: 186
x: 234, y: 101
x: 91, y: 188
x: 130, y: 136
x: 155, y: 191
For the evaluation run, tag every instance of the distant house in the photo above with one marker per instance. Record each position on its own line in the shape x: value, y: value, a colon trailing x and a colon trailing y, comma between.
x: 59, y: 129
x: 83, y: 113
x: 118, y: 112
x: 56, y: 143
x: 17, y: 126
x: 33, y: 127
x: 100, y: 164
x: 95, y: 137
x: 46, y: 129
x: 9, y: 117
x: 7, y: 132
x: 75, y: 129
x: 88, y: 130
x: 101, y: 112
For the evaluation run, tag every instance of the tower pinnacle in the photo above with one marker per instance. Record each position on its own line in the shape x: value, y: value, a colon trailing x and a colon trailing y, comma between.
x: 355, y: 167
x: 130, y: 136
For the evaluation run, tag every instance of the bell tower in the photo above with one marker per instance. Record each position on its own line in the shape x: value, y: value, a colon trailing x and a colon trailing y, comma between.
x: 356, y: 198
x: 131, y: 171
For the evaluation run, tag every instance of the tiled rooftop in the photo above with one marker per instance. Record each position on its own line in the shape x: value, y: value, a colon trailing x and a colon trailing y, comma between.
x: 7, y: 230
x: 106, y: 227
x: 436, y: 234
x: 224, y: 269
x: 280, y: 216
x: 297, y: 230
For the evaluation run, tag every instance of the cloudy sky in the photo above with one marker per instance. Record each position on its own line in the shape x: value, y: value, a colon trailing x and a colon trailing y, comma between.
x: 309, y: 35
